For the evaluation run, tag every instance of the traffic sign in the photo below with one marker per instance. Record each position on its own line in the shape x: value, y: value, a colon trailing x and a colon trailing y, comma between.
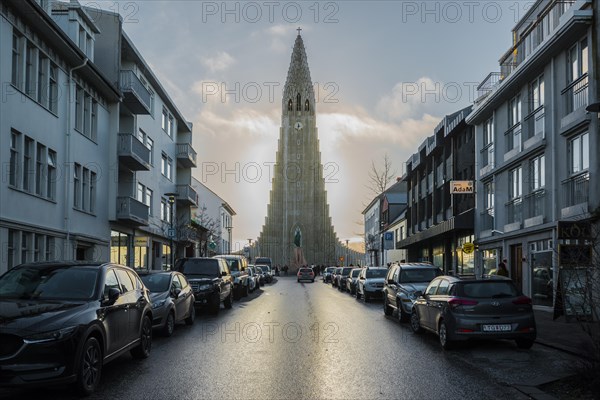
x: 212, y: 245
x: 342, y: 258
x: 171, y: 233
x: 468, y: 247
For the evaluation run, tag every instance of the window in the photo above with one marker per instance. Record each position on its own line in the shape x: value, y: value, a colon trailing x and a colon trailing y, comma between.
x: 92, y: 192
x: 86, y: 113
x: 171, y: 125
x: 170, y: 168
x: 49, y: 248
x: 163, y: 209
x: 36, y: 247
x: 30, y: 72
x: 51, y: 175
x: 516, y: 183
x: 17, y: 60
x: 148, y: 200
x: 537, y: 93
x: 13, y: 171
x: 538, y: 171
x: 77, y: 185
x: 42, y: 81
x: 578, y: 60
x: 488, y: 197
x: 140, y: 192
x: 488, y: 143
x: 579, y: 153
x: 165, y: 118
x: 40, y: 169
x: 53, y: 88
x: 12, y: 237
x: 25, y: 247
x: 150, y: 146
x: 163, y: 164
x: 514, y: 116
x: 79, y: 98
x: 28, y: 171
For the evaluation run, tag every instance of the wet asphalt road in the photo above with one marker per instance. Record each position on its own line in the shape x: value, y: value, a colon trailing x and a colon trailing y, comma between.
x: 310, y: 341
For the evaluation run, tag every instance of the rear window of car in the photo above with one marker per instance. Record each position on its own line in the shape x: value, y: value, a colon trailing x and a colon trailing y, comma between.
x: 355, y: 273
x: 418, y: 275
x: 157, y: 283
x: 346, y: 271
x: 330, y: 269
x: 376, y: 273
x: 199, y: 267
x: 491, y: 289
x: 305, y: 270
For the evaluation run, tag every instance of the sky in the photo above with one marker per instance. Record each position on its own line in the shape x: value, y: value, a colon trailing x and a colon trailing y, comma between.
x: 385, y: 74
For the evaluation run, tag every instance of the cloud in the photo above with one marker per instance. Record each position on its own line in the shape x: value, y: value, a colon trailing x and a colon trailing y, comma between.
x: 411, y: 99
x: 220, y: 62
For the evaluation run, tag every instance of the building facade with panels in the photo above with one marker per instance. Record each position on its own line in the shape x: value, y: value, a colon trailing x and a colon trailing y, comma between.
x: 535, y: 144
x: 439, y: 222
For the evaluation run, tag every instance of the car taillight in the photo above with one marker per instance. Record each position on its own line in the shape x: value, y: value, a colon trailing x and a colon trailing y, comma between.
x: 455, y: 302
x: 522, y: 300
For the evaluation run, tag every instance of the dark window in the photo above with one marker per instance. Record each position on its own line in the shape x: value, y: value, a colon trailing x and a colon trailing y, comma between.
x: 111, y: 282
x: 443, y: 288
x: 432, y: 287
x: 489, y: 289
x: 199, y: 267
x: 418, y: 275
x: 298, y: 103
x: 157, y: 282
x: 125, y: 280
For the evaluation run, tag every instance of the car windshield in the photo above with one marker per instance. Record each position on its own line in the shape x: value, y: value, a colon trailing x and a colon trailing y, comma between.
x: 49, y: 283
x: 157, y: 283
x: 418, y: 275
x: 376, y: 273
x: 355, y: 273
x: 330, y: 269
x: 346, y: 271
x: 265, y: 268
x: 200, y: 267
x: 491, y: 289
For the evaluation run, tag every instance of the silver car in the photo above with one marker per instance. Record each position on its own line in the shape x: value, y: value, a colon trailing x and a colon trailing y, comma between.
x: 370, y: 283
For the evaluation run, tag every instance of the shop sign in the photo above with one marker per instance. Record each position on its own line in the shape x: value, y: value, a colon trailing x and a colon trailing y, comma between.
x: 462, y: 187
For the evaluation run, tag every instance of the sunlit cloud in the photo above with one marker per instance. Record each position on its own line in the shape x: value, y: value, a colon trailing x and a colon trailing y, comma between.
x: 219, y: 62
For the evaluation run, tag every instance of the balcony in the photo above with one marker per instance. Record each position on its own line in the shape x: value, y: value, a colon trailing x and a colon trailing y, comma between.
x: 487, y: 86
x: 131, y: 211
x: 575, y: 96
x: 186, y: 155
x: 513, y: 142
x: 576, y: 189
x: 186, y: 195
x: 536, y: 206
x: 136, y: 97
x: 133, y: 153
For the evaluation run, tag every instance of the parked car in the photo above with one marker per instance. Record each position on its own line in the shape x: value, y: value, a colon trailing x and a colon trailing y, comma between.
x: 264, y: 261
x: 267, y: 272
x: 306, y: 274
x: 253, y: 282
x: 336, y: 272
x: 401, y: 284
x: 237, y: 267
x: 341, y: 278
x: 460, y: 308
x: 327, y: 274
x: 172, y: 299
x: 261, y: 275
x: 210, y: 280
x: 61, y: 322
x: 370, y: 283
x: 352, y: 280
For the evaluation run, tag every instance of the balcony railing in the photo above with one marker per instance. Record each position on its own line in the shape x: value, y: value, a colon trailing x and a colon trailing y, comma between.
x: 535, y: 124
x: 487, y: 220
x: 514, y: 210
x: 186, y: 155
x: 137, y: 98
x: 132, y: 211
x: 186, y: 195
x: 487, y: 86
x: 513, y: 138
x: 575, y: 95
x: 133, y: 153
x: 536, y: 203
x: 576, y: 189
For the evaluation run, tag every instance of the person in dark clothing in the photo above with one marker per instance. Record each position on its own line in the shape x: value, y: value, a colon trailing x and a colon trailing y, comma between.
x: 502, y: 268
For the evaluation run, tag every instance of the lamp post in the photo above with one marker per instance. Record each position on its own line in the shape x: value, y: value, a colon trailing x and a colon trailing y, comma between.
x: 171, y: 197
x: 229, y: 228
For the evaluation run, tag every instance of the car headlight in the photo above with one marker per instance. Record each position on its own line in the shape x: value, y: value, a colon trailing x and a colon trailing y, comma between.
x: 159, y: 303
x: 51, y: 336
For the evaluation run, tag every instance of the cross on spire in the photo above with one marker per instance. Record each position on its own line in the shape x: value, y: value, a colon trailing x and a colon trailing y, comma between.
x: 299, y: 29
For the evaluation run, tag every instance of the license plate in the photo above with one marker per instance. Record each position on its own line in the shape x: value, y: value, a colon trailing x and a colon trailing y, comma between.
x: 496, y: 328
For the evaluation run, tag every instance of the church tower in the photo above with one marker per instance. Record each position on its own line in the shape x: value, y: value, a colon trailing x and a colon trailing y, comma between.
x: 298, y: 227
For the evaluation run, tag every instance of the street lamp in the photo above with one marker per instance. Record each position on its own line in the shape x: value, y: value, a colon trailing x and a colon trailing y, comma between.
x: 229, y: 228
x: 171, y: 197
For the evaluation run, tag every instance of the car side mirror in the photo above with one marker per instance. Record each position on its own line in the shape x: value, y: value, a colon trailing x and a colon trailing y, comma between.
x: 113, y: 295
x: 176, y: 292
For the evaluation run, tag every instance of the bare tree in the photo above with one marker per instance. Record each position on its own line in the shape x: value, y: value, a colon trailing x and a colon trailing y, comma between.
x: 380, y: 176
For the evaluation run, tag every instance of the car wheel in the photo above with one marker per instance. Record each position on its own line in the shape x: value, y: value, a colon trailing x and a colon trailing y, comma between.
x: 169, y: 325
x: 90, y: 367
x: 246, y: 291
x: 387, y: 310
x: 415, y: 324
x: 227, y: 303
x: 443, y: 335
x: 192, y: 315
x: 402, y: 316
x: 143, y: 349
x: 524, y: 343
x: 237, y: 293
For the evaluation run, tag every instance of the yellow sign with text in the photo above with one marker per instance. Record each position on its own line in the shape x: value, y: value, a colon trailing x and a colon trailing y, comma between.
x: 468, y: 248
x: 462, y: 187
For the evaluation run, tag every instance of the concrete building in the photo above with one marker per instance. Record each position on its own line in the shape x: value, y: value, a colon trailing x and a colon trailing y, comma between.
x: 214, y: 219
x: 535, y: 144
x: 440, y: 221
x: 90, y: 140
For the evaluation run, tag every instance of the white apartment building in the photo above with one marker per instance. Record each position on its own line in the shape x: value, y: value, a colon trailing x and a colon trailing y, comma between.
x: 536, y: 145
x: 90, y: 142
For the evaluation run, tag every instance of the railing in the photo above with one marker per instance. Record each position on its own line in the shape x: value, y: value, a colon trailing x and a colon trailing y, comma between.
x: 487, y: 220
x: 536, y: 203
x: 129, y: 208
x: 487, y: 86
x: 576, y: 94
x: 187, y: 194
x: 543, y: 27
x: 535, y: 123
x: 576, y: 189
x: 131, y: 145
x: 185, y: 150
x: 514, y: 210
x: 129, y: 82
x: 513, y: 138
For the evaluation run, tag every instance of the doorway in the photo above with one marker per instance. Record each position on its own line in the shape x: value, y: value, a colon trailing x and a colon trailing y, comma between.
x: 516, y: 265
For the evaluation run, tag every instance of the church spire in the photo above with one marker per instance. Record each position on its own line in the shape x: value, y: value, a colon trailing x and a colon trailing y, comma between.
x: 298, y: 93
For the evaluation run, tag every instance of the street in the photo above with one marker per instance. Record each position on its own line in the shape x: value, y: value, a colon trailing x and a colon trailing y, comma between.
x: 310, y: 341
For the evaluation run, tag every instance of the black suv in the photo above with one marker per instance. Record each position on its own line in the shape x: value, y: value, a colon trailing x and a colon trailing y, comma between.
x: 210, y: 280
x: 401, y: 284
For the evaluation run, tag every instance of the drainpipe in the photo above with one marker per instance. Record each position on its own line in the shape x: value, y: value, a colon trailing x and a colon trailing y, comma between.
x: 67, y: 210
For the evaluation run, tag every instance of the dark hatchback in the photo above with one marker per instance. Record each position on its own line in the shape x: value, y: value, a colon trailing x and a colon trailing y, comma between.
x: 60, y: 322
x: 458, y: 308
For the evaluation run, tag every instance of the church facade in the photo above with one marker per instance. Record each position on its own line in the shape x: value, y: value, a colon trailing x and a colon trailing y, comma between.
x: 298, y: 229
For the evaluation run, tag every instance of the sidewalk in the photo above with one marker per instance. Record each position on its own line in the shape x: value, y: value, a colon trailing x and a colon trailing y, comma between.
x: 563, y: 335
